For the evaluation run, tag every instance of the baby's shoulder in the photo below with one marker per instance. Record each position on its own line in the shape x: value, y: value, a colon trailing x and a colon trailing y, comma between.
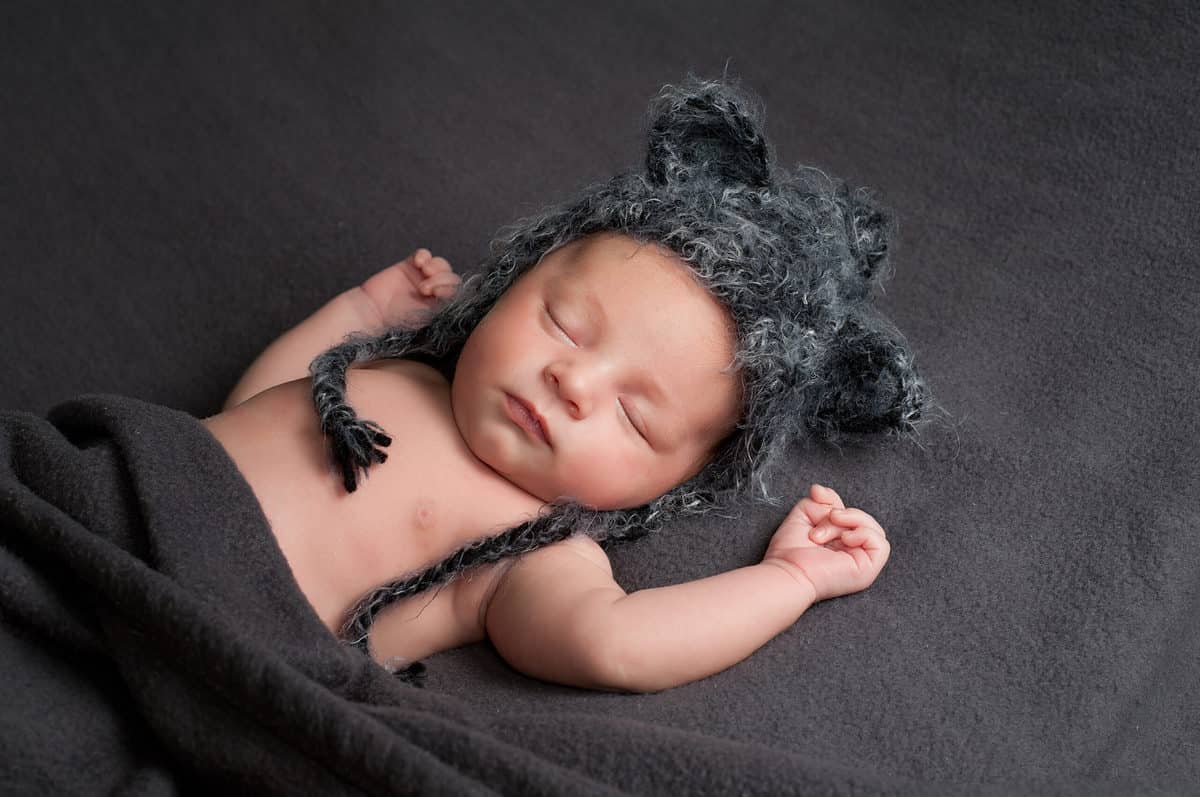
x: 419, y: 625
x: 410, y: 368
x: 553, y: 558
x: 409, y: 399
x: 589, y: 549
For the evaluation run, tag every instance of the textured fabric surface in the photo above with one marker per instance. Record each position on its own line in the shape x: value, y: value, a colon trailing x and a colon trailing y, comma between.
x: 179, y: 185
x: 153, y: 637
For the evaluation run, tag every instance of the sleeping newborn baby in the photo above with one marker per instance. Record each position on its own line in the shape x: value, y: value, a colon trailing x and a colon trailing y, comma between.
x: 462, y: 456
x: 602, y: 374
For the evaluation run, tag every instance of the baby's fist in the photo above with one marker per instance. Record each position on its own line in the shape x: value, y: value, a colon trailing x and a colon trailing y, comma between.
x: 409, y: 291
x: 837, y: 550
x: 431, y: 276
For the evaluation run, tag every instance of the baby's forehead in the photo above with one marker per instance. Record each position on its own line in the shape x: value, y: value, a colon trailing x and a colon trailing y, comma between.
x: 613, y: 259
x: 609, y: 248
x: 670, y: 316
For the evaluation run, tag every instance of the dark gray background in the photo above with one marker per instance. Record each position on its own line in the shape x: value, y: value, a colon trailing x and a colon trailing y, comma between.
x: 181, y: 183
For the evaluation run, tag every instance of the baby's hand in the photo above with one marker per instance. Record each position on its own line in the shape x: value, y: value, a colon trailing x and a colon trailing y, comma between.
x: 412, y: 289
x: 837, y: 550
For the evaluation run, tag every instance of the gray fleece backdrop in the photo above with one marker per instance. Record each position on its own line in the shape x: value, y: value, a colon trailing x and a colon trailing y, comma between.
x: 180, y: 184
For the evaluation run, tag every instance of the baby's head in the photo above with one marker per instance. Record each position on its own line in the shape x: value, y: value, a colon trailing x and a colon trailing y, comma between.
x: 625, y: 357
x: 712, y: 303
x: 741, y: 288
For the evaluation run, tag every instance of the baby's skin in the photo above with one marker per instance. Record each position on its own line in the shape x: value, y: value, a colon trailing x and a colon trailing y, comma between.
x: 580, y: 339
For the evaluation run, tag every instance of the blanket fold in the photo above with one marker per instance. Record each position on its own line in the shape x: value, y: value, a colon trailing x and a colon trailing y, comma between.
x: 153, y: 634
x: 152, y: 638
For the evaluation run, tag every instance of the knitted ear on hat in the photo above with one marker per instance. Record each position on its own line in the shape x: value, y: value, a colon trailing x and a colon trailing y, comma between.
x: 705, y: 129
x: 869, y: 384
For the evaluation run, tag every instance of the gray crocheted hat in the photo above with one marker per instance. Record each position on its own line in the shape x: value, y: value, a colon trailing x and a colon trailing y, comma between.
x: 793, y: 256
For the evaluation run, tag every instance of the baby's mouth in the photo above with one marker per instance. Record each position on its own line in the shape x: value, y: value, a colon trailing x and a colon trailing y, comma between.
x: 526, y: 418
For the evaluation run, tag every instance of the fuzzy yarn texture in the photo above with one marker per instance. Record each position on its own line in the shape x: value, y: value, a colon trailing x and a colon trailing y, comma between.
x: 792, y: 255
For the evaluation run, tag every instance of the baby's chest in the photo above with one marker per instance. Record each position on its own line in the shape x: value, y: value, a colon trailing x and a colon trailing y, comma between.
x: 425, y: 502
x: 428, y: 500
x: 431, y: 496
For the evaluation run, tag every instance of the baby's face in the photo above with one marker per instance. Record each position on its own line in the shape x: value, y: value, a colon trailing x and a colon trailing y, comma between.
x: 621, y: 353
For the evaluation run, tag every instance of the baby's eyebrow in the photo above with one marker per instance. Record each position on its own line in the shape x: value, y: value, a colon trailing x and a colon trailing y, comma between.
x: 596, y: 306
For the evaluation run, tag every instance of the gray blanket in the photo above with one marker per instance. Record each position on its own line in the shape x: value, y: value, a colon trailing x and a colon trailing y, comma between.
x: 153, y: 639
x: 180, y: 185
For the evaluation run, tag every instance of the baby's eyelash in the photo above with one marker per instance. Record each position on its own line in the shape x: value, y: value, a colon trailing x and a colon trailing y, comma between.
x: 625, y: 412
x: 554, y: 321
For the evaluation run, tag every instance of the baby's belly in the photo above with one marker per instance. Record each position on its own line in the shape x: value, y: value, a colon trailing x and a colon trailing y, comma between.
x: 428, y: 499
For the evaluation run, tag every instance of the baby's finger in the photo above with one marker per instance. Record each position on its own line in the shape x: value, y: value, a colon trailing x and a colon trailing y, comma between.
x: 440, y: 283
x: 442, y: 278
x: 814, y: 511
x: 824, y: 533
x: 854, y: 517
x: 435, y: 265
x: 864, y: 537
x: 420, y: 257
x: 824, y: 495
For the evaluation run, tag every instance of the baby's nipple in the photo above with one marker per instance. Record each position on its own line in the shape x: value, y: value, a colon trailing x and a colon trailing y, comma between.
x: 424, y: 515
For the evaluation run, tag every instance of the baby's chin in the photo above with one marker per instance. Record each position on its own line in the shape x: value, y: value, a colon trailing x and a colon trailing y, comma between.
x: 545, y: 493
x: 566, y: 492
x: 538, y: 487
x: 549, y: 495
x: 534, y: 487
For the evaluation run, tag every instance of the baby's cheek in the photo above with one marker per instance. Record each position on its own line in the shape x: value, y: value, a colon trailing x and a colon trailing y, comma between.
x: 635, y: 471
x: 597, y: 478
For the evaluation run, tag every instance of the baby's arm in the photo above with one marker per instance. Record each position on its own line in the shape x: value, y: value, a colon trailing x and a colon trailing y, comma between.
x: 401, y: 292
x: 558, y: 615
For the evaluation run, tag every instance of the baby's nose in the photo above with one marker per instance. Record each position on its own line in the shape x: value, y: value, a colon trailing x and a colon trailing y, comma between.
x: 571, y: 387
